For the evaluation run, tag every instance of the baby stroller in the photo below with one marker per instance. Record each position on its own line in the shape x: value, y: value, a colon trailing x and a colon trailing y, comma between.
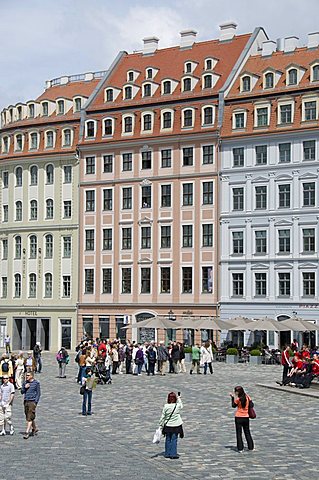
x: 102, y: 374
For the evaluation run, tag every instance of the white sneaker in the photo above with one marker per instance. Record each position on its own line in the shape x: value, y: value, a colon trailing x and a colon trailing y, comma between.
x: 3, y: 432
x: 11, y: 430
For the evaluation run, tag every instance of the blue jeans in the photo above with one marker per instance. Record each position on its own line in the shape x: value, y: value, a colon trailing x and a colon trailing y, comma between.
x: 171, y: 445
x: 81, y: 373
x: 87, y: 397
x: 38, y: 362
x: 139, y: 368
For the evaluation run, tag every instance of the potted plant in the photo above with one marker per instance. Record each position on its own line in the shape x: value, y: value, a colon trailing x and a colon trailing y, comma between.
x: 255, y: 357
x: 232, y: 355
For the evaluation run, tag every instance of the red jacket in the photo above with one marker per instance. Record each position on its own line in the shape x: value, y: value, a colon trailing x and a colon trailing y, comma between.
x: 285, y: 359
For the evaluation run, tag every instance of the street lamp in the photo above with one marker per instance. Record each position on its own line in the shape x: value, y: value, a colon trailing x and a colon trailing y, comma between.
x: 171, y: 315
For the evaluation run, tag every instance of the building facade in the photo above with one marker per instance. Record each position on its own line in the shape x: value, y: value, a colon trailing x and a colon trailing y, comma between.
x: 269, y: 188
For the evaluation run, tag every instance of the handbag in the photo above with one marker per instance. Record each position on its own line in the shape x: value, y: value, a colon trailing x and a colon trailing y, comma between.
x: 82, y: 390
x: 251, y: 410
x: 159, y: 431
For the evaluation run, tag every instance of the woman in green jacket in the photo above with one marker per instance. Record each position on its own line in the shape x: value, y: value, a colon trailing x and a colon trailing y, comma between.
x: 172, y: 424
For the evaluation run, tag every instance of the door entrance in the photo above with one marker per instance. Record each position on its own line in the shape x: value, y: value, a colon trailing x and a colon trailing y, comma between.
x: 27, y: 331
x: 66, y: 333
x: 3, y: 328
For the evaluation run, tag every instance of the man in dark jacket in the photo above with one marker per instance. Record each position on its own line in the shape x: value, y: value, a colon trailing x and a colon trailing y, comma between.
x: 162, y: 357
x: 32, y: 392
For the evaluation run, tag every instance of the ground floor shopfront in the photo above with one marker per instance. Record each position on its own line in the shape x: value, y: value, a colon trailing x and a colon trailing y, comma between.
x: 52, y: 328
x: 108, y: 322
x: 278, y: 311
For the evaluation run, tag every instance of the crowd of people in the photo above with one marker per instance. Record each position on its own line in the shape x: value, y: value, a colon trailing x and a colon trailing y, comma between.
x: 300, y: 366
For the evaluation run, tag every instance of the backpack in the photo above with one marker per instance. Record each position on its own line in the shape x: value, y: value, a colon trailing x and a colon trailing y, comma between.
x: 5, y: 367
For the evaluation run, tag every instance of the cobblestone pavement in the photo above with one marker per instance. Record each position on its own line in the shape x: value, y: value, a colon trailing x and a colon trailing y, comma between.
x: 116, y: 441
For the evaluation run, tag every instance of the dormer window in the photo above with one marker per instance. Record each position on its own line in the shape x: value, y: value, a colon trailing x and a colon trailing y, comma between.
x: 66, y: 137
x: 31, y: 110
x: 19, y: 112
x: 5, y: 144
x: 269, y: 80
x: 128, y: 92
x: 208, y: 81
x: 149, y: 73
x: 77, y: 104
x: 315, y: 73
x: 60, y: 107
x: 11, y: 114
x: 49, y: 139
x: 187, y: 84
x: 147, y: 121
x: 19, y: 143
x: 246, y: 84
x: 109, y: 95
x: 33, y: 141
x: 45, y: 109
x: 293, y: 77
x: 188, y: 67
x: 147, y: 90
x: 130, y: 76
x: 209, y: 64
x: 108, y: 126
x: 167, y: 87
x: 90, y: 128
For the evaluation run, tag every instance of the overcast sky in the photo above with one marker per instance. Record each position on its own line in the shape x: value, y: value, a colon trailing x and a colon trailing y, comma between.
x: 43, y: 39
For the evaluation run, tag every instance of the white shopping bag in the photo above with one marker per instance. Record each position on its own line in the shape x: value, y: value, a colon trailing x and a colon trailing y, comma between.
x: 157, y: 435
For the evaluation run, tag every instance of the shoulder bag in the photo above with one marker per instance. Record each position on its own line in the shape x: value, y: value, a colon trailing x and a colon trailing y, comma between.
x: 159, y: 431
x: 251, y: 410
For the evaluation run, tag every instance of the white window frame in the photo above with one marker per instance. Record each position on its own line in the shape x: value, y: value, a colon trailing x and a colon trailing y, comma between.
x: 167, y: 110
x: 203, y: 115
x: 63, y: 137
x: 38, y: 140
x: 86, y: 128
x: 128, y: 134
x: 15, y: 142
x: 46, y: 139
x: 261, y: 105
x: 147, y: 112
x: 183, y: 119
x: 304, y: 100
x: 103, y: 127
x: 239, y: 110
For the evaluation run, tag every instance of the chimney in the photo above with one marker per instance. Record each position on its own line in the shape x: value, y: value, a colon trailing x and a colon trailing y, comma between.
x: 313, y: 40
x: 187, y: 38
x: 150, y: 45
x: 280, y: 44
x: 227, y: 31
x: 268, y: 48
x: 290, y: 44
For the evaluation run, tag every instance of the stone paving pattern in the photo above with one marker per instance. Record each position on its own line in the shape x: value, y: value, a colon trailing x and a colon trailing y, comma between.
x: 116, y: 442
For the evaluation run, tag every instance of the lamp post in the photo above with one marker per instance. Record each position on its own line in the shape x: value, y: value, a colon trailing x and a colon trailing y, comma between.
x: 170, y: 332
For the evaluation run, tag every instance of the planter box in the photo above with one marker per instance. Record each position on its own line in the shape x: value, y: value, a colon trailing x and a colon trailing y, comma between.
x: 255, y: 360
x: 231, y: 359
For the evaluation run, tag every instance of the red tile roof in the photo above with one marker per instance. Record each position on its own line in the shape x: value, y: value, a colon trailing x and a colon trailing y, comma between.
x: 70, y: 90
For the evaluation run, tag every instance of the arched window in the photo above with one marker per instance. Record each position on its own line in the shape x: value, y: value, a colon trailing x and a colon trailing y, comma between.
x: 209, y: 64
x: 77, y: 104
x: 187, y: 84
x: 17, y: 242
x: 60, y: 107
x: 149, y: 73
x: 50, y: 174
x: 34, y: 141
x: 67, y: 137
x: 108, y: 126
x: 48, y: 284
x: 49, y: 208
x: 208, y: 81
x: 49, y: 139
x: 188, y: 67
x: 128, y: 124
x: 147, y: 121
x: 109, y: 95
x: 315, y: 73
x: 188, y: 118
x: 128, y: 93
x: 246, y: 84
x: 19, y: 177
x: 269, y: 80
x: 32, y: 285
x: 5, y: 144
x: 18, y: 211
x: 33, y: 210
x: 208, y: 116
x: 167, y: 120
x: 293, y: 77
x: 19, y: 143
x: 49, y: 246
x: 33, y: 246
x: 34, y: 175
x: 17, y: 285
x: 147, y: 90
x: 167, y: 87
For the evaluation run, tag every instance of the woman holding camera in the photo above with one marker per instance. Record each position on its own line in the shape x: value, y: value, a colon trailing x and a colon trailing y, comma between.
x: 172, y: 424
x: 241, y: 401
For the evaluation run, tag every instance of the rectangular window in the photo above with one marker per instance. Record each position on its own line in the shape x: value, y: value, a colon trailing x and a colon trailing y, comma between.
x: 208, y: 154
x: 261, y: 241
x: 284, y: 284
x: 309, y: 150
x: 108, y: 163
x: 4, y: 287
x: 284, y: 196
x: 165, y: 236
x: 5, y: 179
x: 89, y: 239
x: 187, y: 236
x: 107, y: 199
x: 238, y: 243
x: 238, y: 284
x: 126, y: 280
x: 310, y: 111
x: 67, y: 207
x: 166, y: 195
x: 308, y: 284
x: 188, y: 156
x: 208, y: 193
x: 261, y: 154
x: 146, y: 160
x: 166, y: 158
x: 260, y: 284
x: 107, y: 238
x: 67, y: 246
x: 165, y: 280
x: 285, y: 113
x: 238, y: 157
x: 284, y: 241
x: 67, y: 174
x: 126, y: 238
x: 284, y: 152
x: 240, y: 120
x: 207, y: 235
x: 146, y: 237
x: 5, y: 249
x: 5, y: 213
x: 66, y: 286
x: 238, y: 199
x: 145, y: 280
x: 90, y: 201
x: 309, y: 194
x: 187, y: 194
x: 89, y: 280
x: 127, y: 162
x: 207, y: 279
x: 262, y: 117
x: 107, y: 280
x: 90, y: 165
x: 127, y: 198
x: 146, y: 196
x: 261, y: 197
x: 308, y: 239
x: 187, y: 279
